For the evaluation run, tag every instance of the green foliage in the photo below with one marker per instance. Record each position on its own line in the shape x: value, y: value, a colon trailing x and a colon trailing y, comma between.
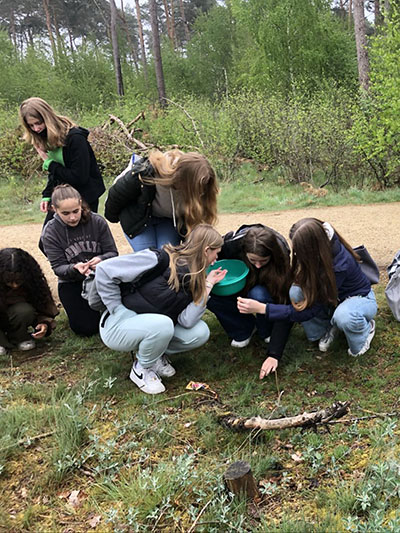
x: 377, y: 126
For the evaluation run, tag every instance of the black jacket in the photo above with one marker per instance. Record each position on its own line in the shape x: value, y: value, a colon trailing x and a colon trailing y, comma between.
x: 80, y: 170
x: 152, y: 294
x: 129, y: 199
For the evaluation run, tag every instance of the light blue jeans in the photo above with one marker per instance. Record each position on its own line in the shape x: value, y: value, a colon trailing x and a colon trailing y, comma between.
x: 150, y: 335
x: 352, y: 316
x: 155, y: 234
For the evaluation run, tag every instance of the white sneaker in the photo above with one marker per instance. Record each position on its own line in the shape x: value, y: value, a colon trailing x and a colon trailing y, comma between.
x: 163, y: 367
x: 326, y: 340
x: 267, y: 340
x: 3, y: 351
x: 146, y: 379
x: 25, y: 346
x: 367, y: 344
x: 243, y: 344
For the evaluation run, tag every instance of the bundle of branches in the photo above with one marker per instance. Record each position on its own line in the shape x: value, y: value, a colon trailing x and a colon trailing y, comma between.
x: 305, y: 420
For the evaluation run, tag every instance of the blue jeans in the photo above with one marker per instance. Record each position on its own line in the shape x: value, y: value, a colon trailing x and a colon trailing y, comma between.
x: 239, y: 326
x: 155, y: 234
x: 149, y: 334
x: 352, y: 316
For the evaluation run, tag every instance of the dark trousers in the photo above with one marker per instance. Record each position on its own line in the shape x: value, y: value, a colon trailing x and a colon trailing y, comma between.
x: 82, y: 319
x: 240, y: 326
x: 20, y: 317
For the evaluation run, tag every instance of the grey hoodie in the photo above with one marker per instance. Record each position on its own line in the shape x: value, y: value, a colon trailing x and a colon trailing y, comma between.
x: 126, y: 268
x: 65, y: 245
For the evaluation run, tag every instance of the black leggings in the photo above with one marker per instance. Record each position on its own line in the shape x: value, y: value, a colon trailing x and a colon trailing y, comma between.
x: 82, y: 319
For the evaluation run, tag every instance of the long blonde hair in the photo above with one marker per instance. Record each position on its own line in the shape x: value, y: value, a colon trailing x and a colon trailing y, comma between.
x: 57, y: 126
x: 192, y: 254
x: 191, y: 174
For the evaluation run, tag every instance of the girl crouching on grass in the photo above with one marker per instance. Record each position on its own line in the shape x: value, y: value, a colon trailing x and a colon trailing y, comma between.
x: 331, y: 293
x: 155, y: 300
x: 267, y: 255
x: 75, y: 242
x: 25, y: 301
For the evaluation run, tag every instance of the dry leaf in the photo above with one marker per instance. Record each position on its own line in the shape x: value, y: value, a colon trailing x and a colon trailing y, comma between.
x: 63, y: 495
x: 297, y: 458
x: 93, y: 522
x: 73, y: 499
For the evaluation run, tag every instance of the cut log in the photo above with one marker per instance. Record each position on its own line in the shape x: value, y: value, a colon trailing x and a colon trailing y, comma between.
x: 240, y: 481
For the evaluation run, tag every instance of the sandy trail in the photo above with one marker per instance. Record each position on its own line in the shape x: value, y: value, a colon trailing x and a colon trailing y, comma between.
x: 373, y: 225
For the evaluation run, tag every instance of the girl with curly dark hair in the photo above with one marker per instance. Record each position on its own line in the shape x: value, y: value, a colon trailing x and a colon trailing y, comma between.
x: 25, y: 301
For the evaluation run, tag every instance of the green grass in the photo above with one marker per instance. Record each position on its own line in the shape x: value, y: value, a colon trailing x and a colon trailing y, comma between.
x: 250, y: 191
x: 144, y: 463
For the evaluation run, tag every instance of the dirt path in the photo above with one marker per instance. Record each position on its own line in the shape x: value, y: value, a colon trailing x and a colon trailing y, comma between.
x: 374, y: 225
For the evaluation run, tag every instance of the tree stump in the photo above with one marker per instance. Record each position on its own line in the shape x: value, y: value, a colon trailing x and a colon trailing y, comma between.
x: 240, y: 481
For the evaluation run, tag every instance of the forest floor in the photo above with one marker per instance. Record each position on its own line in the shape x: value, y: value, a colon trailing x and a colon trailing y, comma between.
x: 82, y: 449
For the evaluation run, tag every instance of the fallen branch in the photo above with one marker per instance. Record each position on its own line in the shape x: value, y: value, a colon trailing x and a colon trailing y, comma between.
x: 113, y: 118
x: 189, y: 117
x: 28, y: 440
x: 323, y: 416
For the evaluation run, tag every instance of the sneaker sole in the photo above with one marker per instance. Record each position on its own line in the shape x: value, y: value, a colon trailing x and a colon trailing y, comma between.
x: 144, y: 388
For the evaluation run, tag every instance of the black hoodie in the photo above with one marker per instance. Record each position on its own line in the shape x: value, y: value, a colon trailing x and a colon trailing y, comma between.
x: 80, y: 168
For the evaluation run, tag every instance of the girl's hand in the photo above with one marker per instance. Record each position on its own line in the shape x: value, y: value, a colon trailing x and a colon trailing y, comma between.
x: 268, y: 366
x: 248, y: 306
x: 44, y: 206
x: 42, y: 153
x: 40, y: 331
x: 93, y: 262
x: 216, y: 275
x: 82, y: 268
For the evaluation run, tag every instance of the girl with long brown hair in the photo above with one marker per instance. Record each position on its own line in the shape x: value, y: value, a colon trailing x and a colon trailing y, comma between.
x: 155, y: 300
x: 266, y: 253
x: 163, y: 197
x: 330, y: 292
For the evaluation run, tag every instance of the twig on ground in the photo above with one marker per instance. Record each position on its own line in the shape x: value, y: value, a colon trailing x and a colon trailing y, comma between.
x: 192, y: 527
x: 191, y: 118
x: 20, y: 442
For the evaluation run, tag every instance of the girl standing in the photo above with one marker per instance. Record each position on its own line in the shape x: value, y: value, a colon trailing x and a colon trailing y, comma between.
x: 25, y: 301
x: 75, y: 242
x: 162, y: 198
x: 331, y: 293
x: 155, y: 300
x: 66, y: 153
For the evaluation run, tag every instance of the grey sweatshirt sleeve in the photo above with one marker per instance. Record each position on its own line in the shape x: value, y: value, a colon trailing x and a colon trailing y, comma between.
x: 191, y: 315
x: 55, y: 253
x: 111, y: 273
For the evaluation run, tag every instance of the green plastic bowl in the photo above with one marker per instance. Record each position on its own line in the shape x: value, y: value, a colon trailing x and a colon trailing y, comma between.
x: 235, y: 278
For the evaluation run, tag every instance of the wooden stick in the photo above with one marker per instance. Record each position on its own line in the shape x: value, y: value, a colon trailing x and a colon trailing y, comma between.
x: 323, y: 416
x: 32, y: 439
x: 192, y: 527
x: 140, y: 115
x: 189, y: 117
x: 121, y: 125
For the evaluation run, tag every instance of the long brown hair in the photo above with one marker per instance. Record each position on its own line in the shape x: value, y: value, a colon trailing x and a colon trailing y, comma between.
x: 192, y: 255
x: 312, y: 263
x: 191, y: 174
x: 276, y: 274
x: 66, y: 192
x: 57, y: 126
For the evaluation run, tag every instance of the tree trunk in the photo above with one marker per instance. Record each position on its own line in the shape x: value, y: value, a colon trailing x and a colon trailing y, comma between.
x: 129, y: 38
x: 350, y: 12
x: 173, y: 37
x: 183, y: 16
x: 50, y: 31
x: 13, y: 34
x: 141, y: 39
x: 157, y: 54
x: 167, y: 19
x: 361, y: 44
x: 115, y: 49
x: 60, y: 41
x: 378, y: 17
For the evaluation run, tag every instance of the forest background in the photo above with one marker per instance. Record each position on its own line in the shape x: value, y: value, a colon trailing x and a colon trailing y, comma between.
x: 307, y: 91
